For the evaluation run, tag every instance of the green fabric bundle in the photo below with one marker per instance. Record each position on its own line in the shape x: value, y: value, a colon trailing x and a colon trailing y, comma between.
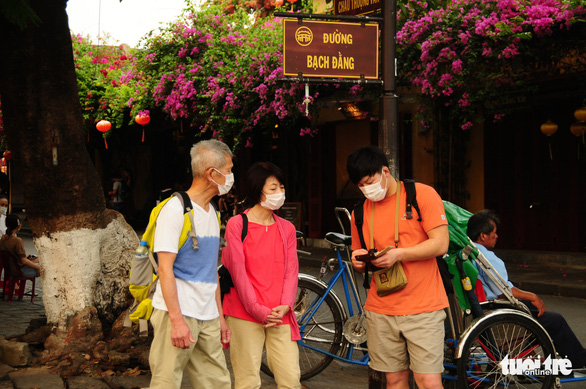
x: 457, y: 225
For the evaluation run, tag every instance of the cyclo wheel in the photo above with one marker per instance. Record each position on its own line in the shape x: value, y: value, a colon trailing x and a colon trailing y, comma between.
x: 323, y: 330
x: 499, y: 336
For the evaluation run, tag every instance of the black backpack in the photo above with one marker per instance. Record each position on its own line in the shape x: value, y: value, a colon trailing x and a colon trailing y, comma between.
x: 225, y: 278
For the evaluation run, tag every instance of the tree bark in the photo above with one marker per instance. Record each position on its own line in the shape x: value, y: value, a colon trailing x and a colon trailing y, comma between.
x: 84, y: 249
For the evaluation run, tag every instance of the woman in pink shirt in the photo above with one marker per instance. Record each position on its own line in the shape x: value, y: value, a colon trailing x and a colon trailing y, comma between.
x: 264, y: 268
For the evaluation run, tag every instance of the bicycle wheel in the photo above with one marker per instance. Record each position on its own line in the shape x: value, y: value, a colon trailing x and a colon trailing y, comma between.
x: 323, y: 331
x: 500, y: 336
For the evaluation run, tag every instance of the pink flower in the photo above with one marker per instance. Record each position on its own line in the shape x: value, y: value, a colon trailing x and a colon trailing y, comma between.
x: 498, y: 117
x: 467, y: 126
x: 464, y: 102
x: 457, y: 66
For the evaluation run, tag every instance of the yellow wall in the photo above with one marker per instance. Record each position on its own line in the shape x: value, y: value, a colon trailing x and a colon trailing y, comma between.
x: 320, y: 6
x: 350, y: 135
x: 475, y: 173
x: 423, y: 159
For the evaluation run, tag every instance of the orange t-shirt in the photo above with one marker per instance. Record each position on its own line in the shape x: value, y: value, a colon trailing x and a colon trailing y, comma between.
x: 424, y: 291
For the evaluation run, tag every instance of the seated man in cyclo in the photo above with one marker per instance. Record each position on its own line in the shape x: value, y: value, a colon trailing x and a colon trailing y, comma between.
x: 482, y: 227
x: 405, y: 329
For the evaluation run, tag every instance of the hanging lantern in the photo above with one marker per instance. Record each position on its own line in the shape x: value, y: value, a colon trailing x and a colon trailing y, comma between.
x: 580, y: 114
x: 549, y: 128
x: 578, y: 128
x: 142, y: 119
x: 3, y: 166
x: 103, y: 126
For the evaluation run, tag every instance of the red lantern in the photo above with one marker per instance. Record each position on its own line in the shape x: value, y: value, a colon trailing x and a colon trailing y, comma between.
x: 8, y: 155
x: 143, y: 120
x: 103, y: 126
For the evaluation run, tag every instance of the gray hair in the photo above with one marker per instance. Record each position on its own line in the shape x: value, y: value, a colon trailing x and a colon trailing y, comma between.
x: 206, y: 154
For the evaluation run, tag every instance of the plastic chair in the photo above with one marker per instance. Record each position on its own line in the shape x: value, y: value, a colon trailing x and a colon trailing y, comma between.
x: 12, y: 276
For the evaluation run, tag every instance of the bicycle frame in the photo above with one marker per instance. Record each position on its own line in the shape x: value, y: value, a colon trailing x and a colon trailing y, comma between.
x: 352, y: 299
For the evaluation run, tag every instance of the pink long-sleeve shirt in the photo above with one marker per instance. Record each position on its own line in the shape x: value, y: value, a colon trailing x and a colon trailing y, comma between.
x: 264, y: 269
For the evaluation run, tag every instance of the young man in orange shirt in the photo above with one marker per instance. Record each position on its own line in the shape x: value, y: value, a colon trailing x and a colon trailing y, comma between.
x: 405, y: 329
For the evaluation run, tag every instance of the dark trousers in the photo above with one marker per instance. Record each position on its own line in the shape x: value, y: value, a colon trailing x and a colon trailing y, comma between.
x: 565, y: 341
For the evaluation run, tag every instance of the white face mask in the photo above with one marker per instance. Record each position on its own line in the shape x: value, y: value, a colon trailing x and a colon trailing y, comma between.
x: 3, y: 210
x: 223, y: 189
x: 273, y: 201
x: 375, y: 192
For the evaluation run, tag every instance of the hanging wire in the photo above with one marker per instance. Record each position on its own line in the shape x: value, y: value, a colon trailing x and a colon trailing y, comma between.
x: 99, y: 20
x: 99, y: 37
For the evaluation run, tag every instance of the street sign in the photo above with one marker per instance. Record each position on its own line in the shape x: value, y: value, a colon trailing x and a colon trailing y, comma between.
x: 330, y: 49
x: 356, y: 7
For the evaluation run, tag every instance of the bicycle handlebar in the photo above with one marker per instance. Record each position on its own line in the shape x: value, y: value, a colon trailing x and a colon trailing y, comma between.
x: 340, y: 210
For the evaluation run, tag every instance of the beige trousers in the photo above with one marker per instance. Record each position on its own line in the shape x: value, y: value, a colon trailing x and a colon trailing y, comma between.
x: 204, y: 360
x: 246, y: 348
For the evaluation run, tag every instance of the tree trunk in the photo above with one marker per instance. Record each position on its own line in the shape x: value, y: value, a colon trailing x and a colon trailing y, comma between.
x: 84, y: 249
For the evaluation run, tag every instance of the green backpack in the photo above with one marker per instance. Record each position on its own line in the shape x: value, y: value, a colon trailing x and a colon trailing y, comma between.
x: 143, y: 274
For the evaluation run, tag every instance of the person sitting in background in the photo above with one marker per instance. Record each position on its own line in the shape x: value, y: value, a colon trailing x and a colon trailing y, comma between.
x: 482, y: 228
x: 3, y: 212
x: 29, y: 265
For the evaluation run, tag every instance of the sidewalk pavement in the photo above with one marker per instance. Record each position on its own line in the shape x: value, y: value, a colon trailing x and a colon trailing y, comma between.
x: 542, y: 273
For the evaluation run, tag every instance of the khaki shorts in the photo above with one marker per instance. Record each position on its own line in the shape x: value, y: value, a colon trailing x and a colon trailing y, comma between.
x: 397, y: 343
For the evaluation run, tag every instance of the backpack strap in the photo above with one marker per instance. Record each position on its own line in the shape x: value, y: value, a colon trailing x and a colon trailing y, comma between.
x: 411, y: 199
x: 359, y: 221
x: 226, y: 282
x: 185, y: 201
x: 244, y: 226
x: 187, y: 208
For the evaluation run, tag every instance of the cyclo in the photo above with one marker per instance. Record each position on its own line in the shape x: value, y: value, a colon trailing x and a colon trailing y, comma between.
x: 483, y: 340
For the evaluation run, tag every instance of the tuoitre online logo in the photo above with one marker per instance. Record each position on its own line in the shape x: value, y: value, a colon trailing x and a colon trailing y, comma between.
x: 535, y: 366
